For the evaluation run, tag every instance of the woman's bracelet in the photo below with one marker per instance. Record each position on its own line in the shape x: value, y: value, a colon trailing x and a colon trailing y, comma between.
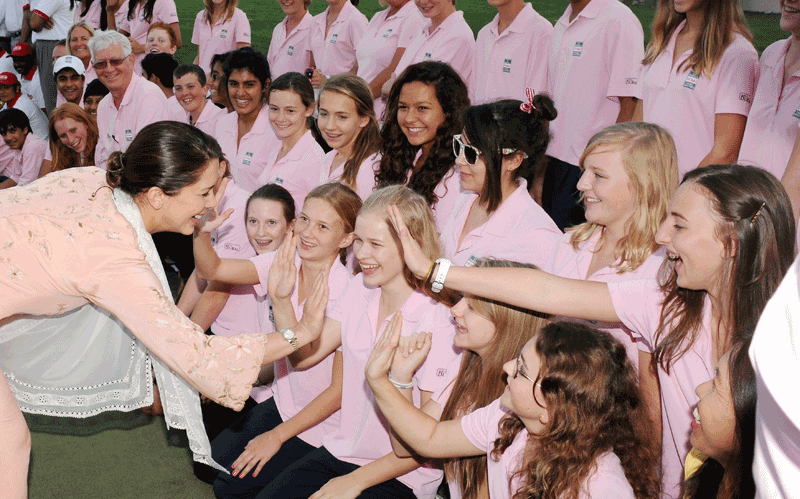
x: 441, y: 274
x: 401, y: 386
x: 430, y: 273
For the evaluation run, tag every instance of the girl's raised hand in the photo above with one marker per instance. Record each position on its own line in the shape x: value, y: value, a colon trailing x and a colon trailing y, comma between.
x: 383, y: 353
x: 417, y: 262
x: 314, y: 307
x: 410, y: 354
x: 211, y: 219
x: 283, y: 272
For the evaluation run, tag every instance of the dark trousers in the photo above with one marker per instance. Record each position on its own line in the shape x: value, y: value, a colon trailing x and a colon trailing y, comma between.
x: 230, y: 444
x: 306, y: 476
x: 44, y: 61
x: 560, y: 196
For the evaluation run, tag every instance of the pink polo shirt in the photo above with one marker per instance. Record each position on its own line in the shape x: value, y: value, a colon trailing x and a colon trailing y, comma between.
x: 509, y: 62
x: 365, y: 178
x: 24, y: 167
x: 292, y: 52
x: 336, y: 52
x: 90, y: 74
x: 452, y: 42
x: 519, y: 230
x: 592, y: 62
x: 240, y: 314
x: 295, y: 389
x: 638, y: 305
x: 206, y: 122
x: 143, y: 103
x: 686, y: 103
x: 92, y: 17
x: 385, y: 34
x: 163, y: 10
x: 363, y: 435
x: 775, y: 114
x: 606, y: 481
x: 249, y: 159
x: 220, y: 38
x: 574, y: 264
x: 299, y: 171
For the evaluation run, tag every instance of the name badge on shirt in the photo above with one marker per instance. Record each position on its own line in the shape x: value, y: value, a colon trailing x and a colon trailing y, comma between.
x: 278, y: 180
x: 128, y: 135
x: 471, y: 262
x: 506, y: 65
x: 271, y: 315
x: 796, y: 113
x: 248, y: 158
x: 223, y: 33
x: 141, y: 17
x: 291, y: 50
x: 691, y: 80
x: 334, y: 37
x: 428, y: 56
x: 388, y: 32
x: 577, y: 50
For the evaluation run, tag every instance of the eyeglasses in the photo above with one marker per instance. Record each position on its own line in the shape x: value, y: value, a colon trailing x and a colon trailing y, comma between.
x: 114, y: 62
x: 521, y: 372
x: 471, y: 153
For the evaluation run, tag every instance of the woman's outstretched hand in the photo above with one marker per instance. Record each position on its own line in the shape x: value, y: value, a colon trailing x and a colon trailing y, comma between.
x: 382, y: 356
x: 211, y: 219
x: 416, y: 260
x: 283, y: 272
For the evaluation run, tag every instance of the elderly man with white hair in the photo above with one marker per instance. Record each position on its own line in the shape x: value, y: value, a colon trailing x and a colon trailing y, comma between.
x: 132, y: 102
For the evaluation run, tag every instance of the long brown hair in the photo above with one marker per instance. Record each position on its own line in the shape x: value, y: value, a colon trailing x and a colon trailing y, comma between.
x: 480, y: 380
x: 63, y: 156
x: 230, y: 8
x: 344, y: 201
x: 756, y: 219
x: 723, y: 20
x: 368, y: 141
x: 591, y: 393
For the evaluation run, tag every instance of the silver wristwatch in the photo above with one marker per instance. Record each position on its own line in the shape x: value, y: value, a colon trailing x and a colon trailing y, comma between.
x: 289, y: 336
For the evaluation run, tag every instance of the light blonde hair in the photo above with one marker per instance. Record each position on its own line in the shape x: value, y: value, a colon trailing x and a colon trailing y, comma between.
x: 651, y: 163
x: 723, y: 20
x: 79, y: 24
x: 418, y: 218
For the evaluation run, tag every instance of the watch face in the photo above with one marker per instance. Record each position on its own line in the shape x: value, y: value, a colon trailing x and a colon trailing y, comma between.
x: 288, y: 334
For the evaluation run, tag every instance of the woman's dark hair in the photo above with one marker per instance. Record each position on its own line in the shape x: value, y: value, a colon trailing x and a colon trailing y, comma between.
x: 166, y: 154
x: 758, y: 228
x: 147, y: 10
x: 504, y: 125
x: 274, y: 192
x: 250, y: 59
x: 398, y: 153
x: 86, y: 4
x: 712, y: 480
x: 591, y: 393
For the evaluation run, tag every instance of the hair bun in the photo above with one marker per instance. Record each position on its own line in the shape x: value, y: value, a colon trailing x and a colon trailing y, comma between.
x: 545, y: 107
x: 115, y: 169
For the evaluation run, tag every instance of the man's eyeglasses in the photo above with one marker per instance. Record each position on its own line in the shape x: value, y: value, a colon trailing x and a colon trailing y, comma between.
x: 99, y: 65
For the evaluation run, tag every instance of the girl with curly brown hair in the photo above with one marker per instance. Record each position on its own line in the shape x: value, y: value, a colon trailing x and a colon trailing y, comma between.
x: 568, y: 424
x: 423, y: 113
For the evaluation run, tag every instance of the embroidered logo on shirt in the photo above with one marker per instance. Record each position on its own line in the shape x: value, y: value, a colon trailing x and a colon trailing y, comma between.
x: 796, y: 113
x: 232, y: 247
x: 506, y: 65
x: 128, y: 135
x: 745, y: 98
x: 271, y: 315
x: 278, y: 180
x: 223, y: 33
x: 691, y: 80
x: 248, y: 158
x: 631, y: 81
x: 427, y: 57
x: 388, y: 32
x: 471, y: 262
x: 577, y: 49
x: 291, y: 50
x: 334, y: 37
x: 441, y: 372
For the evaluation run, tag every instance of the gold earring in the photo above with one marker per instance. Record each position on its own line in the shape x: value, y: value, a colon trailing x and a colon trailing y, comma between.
x: 541, y: 417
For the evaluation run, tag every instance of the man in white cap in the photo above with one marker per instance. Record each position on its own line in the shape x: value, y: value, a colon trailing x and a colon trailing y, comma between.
x: 68, y: 72
x: 11, y: 95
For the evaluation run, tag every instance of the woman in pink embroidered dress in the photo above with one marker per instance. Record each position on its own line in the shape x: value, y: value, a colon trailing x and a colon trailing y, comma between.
x: 82, y: 236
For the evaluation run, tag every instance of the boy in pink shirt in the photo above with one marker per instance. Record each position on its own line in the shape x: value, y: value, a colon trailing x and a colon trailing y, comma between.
x: 511, y: 53
x: 16, y: 132
x: 289, y: 48
x: 333, y: 44
x: 191, y: 88
x: 594, y: 61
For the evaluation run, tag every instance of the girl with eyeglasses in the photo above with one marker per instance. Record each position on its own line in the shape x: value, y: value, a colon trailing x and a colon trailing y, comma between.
x: 567, y: 424
x: 495, y: 215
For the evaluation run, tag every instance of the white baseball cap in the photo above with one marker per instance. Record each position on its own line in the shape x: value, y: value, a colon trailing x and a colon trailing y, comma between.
x: 69, y: 61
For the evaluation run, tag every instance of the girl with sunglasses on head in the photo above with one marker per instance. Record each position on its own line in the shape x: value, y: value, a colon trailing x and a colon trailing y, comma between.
x: 568, y: 424
x: 356, y: 460
x: 495, y: 215
x: 347, y: 123
x: 729, y: 236
x: 423, y: 113
x: 303, y: 406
